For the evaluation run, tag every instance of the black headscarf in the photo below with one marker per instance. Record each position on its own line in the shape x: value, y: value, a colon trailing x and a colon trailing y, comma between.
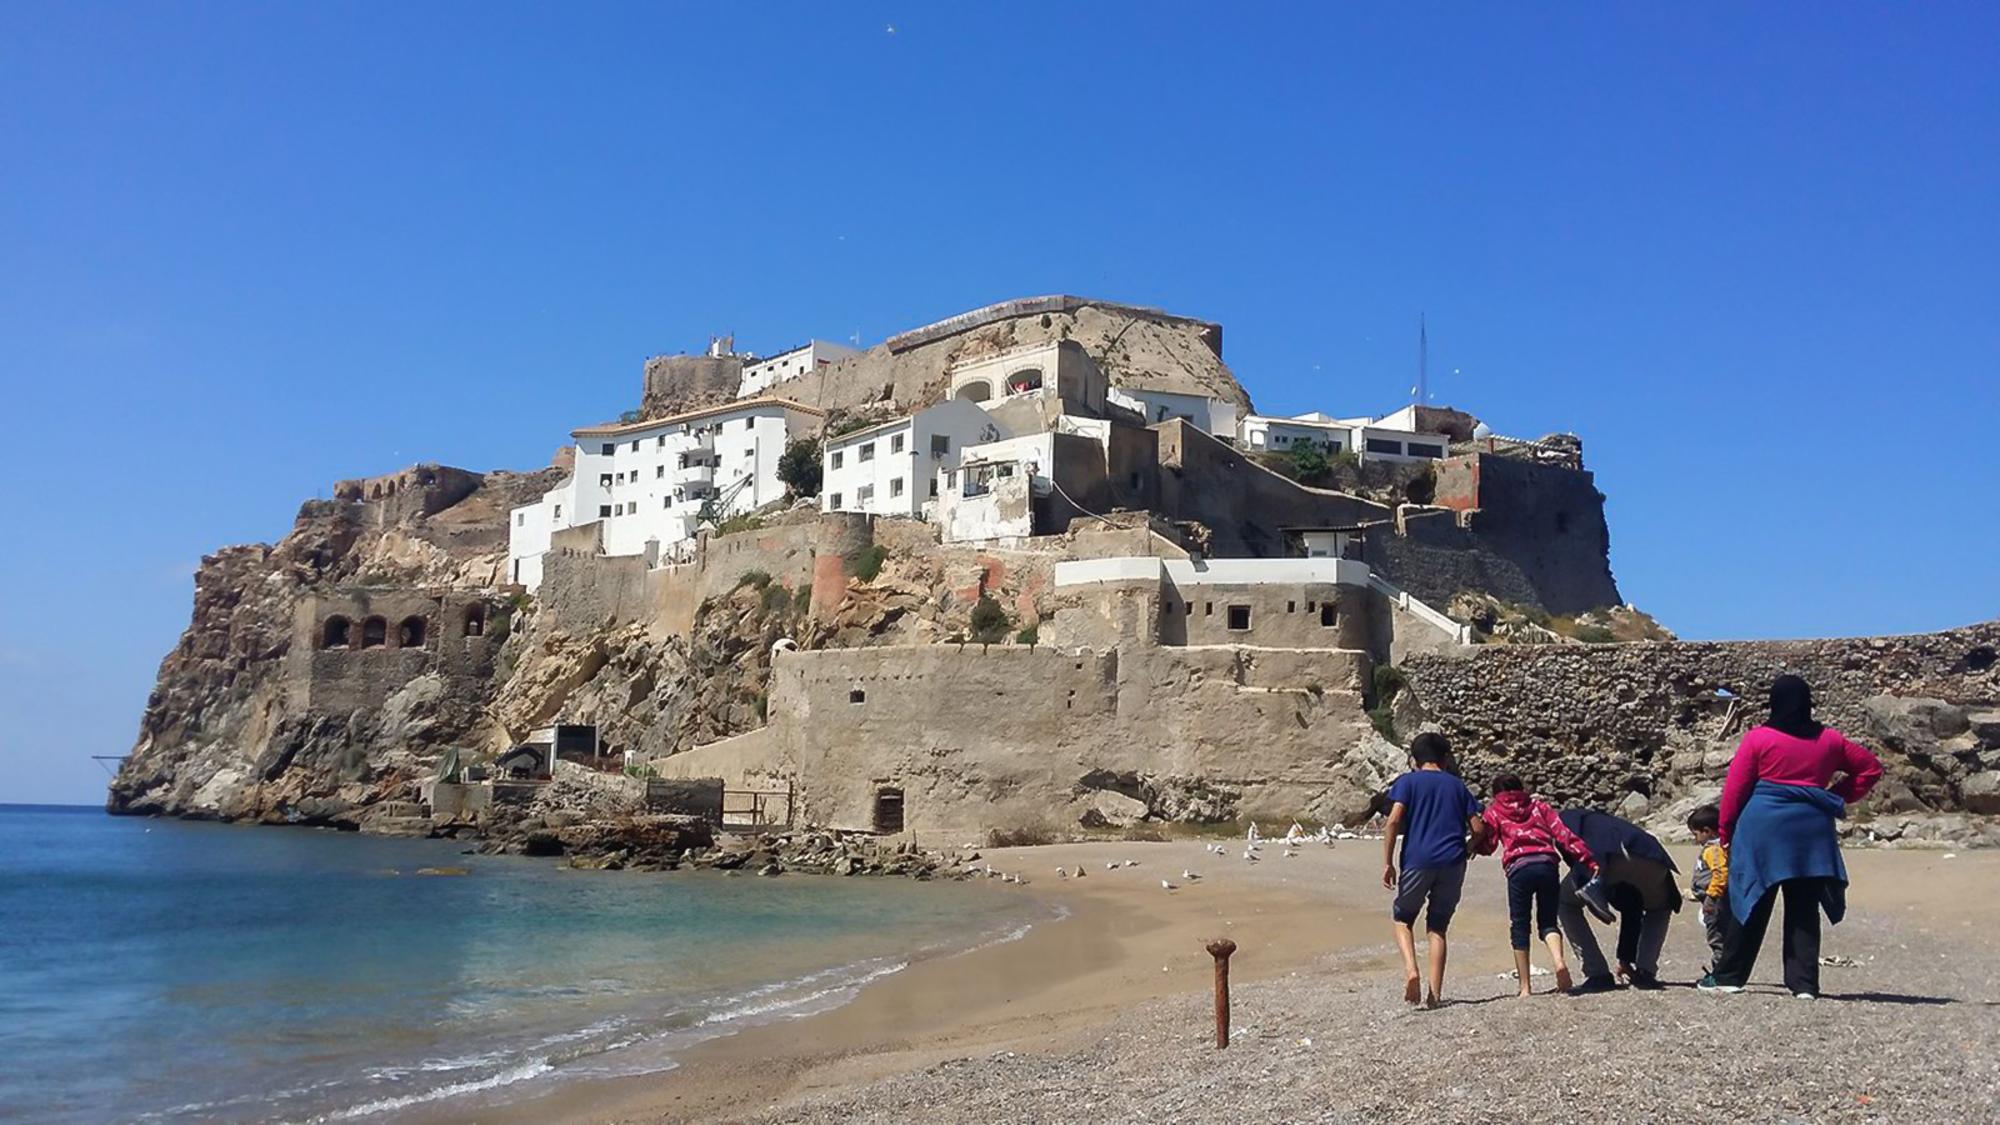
x: 1791, y: 708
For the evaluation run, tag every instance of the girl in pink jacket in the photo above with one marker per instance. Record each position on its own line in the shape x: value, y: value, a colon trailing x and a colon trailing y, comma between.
x: 1531, y: 838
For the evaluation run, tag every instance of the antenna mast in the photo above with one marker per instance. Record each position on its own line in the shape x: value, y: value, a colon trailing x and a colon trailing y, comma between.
x: 1423, y: 362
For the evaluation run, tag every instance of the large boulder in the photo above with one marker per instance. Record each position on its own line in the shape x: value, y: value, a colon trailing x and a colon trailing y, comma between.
x: 1104, y: 808
x: 1981, y: 793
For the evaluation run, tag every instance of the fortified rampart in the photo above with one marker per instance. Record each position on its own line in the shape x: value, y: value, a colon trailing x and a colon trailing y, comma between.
x: 1639, y: 725
x: 353, y: 648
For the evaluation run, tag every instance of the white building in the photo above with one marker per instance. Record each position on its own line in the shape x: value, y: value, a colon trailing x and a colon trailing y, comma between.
x: 759, y: 375
x: 894, y: 468
x: 991, y: 494
x: 1210, y: 415
x: 1379, y: 439
x: 645, y: 482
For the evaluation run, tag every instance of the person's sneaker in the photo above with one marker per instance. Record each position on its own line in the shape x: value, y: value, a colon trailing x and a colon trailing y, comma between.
x: 1804, y: 996
x: 1593, y: 896
x: 1594, y: 985
x: 1710, y: 984
x: 1645, y: 981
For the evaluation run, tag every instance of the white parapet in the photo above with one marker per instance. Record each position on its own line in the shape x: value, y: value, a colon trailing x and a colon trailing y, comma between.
x: 1225, y: 572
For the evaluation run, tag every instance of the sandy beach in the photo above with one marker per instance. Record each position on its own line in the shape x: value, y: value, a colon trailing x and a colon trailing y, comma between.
x: 1105, y: 1014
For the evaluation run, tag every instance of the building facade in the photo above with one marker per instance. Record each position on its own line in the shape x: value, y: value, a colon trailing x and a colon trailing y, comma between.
x: 645, y: 483
x: 1380, y: 439
x: 895, y: 468
x: 759, y: 375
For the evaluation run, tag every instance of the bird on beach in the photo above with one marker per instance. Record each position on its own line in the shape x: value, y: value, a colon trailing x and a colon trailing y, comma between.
x: 1289, y: 853
x: 1249, y: 856
x: 1190, y: 876
x: 1166, y: 886
x: 1131, y: 863
x: 1063, y: 872
x: 1252, y: 837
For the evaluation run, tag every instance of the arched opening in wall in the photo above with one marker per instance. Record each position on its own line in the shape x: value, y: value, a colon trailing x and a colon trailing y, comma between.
x: 1979, y: 659
x: 1025, y: 380
x: 888, y: 810
x: 336, y: 633
x: 475, y: 620
x: 375, y: 491
x: 374, y: 633
x: 978, y: 390
x: 410, y: 634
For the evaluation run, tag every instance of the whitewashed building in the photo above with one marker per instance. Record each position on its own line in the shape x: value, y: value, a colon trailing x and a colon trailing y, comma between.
x: 991, y: 494
x: 760, y: 374
x: 894, y: 468
x: 1211, y: 415
x: 1378, y: 439
x: 645, y: 482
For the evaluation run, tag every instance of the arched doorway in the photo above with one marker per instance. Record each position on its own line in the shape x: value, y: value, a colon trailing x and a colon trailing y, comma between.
x: 410, y: 634
x: 336, y: 633
x: 374, y: 633
x: 977, y: 390
x: 475, y: 621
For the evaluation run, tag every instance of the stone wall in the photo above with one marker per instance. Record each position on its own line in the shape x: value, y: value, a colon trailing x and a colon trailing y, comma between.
x: 1244, y: 505
x: 1639, y: 725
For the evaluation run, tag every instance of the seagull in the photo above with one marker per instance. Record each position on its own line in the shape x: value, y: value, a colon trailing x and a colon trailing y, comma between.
x: 1166, y: 886
x: 1063, y: 872
x: 1131, y: 863
x: 1249, y: 856
x: 1111, y: 867
x: 1289, y: 853
x: 1190, y: 876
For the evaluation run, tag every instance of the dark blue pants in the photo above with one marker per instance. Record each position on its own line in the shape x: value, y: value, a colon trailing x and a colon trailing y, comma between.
x: 1532, y: 886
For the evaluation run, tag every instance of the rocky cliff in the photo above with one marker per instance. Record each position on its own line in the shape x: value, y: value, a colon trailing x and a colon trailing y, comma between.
x: 223, y: 734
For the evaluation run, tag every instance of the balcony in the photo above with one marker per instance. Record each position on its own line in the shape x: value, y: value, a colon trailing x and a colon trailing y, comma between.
x: 701, y: 472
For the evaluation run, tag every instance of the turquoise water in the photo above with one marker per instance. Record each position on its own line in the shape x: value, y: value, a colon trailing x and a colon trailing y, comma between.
x: 159, y: 970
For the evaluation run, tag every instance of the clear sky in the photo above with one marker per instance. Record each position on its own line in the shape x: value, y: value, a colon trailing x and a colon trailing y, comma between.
x: 1747, y: 252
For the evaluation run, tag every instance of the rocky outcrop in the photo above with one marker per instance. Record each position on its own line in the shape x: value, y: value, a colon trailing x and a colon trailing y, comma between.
x: 223, y: 735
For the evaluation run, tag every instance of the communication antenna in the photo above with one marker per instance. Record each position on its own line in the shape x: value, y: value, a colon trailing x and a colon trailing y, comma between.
x: 1423, y: 362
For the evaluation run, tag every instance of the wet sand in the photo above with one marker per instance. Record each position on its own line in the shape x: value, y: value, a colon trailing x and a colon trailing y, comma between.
x: 1131, y: 955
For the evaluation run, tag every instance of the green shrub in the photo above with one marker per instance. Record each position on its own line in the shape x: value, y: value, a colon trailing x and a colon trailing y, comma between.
x: 1028, y: 636
x: 1385, y: 724
x: 1389, y: 680
x: 629, y: 417
x: 1346, y: 459
x: 762, y: 705
x: 745, y: 522
x: 866, y: 564
x: 755, y: 578
x: 799, y: 467
x: 1308, y: 461
x: 1594, y: 635
x: 989, y: 621
x: 776, y: 598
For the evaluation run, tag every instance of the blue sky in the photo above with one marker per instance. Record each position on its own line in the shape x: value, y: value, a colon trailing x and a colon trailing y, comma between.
x: 248, y: 250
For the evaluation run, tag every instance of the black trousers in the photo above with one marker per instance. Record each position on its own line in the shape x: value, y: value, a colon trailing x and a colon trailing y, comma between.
x: 1532, y: 886
x: 1742, y: 940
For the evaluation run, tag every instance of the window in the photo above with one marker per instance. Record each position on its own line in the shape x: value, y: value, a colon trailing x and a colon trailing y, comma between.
x: 335, y: 634
x: 1207, y: 609
x: 1333, y: 447
x: 940, y: 444
x: 864, y: 494
x: 933, y: 488
x: 669, y: 503
x: 604, y: 511
x: 410, y: 634
x: 520, y: 519
x: 856, y: 695
x: 635, y: 445
x: 659, y: 472
x: 896, y: 444
x: 1291, y: 607
x: 1239, y: 618
x: 834, y: 501
x: 867, y: 452
x: 660, y: 442
x: 1327, y: 616
x: 896, y: 486
x: 608, y: 448
x: 604, y: 480
x: 374, y: 633
x: 1025, y: 380
x: 836, y: 458
x: 618, y: 509
x: 558, y: 511
x: 1384, y: 445
x: 1419, y: 450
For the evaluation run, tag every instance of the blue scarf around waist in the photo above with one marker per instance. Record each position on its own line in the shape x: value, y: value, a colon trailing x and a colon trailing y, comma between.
x: 1786, y: 832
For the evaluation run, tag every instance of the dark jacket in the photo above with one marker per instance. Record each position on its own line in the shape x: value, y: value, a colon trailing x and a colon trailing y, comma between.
x: 1629, y: 855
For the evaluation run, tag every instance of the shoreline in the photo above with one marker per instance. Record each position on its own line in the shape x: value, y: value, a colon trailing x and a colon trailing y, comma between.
x: 1130, y: 955
x: 1124, y: 941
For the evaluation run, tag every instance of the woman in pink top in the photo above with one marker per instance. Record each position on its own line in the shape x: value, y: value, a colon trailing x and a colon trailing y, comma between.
x: 1779, y: 805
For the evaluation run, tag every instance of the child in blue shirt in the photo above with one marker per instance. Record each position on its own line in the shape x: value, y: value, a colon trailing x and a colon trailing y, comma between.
x: 1432, y: 810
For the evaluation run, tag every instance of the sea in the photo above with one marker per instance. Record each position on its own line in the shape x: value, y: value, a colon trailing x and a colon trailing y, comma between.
x: 161, y: 970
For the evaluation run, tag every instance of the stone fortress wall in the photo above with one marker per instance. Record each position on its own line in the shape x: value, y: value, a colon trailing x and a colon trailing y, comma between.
x: 354, y: 647
x: 1651, y: 726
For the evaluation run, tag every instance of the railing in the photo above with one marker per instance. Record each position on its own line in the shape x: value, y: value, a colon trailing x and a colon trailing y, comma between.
x: 757, y: 808
x: 1460, y: 633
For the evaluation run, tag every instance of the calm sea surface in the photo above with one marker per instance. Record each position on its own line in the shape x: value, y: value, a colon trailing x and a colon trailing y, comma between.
x: 159, y: 970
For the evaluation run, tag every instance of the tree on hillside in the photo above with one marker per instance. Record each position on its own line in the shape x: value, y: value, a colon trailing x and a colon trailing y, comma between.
x: 799, y: 467
x: 1309, y: 463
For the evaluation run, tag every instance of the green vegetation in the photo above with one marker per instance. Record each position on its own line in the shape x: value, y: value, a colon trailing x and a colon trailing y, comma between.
x: 802, y: 599
x: 849, y: 424
x: 866, y: 564
x: 641, y: 771
x: 762, y: 705
x: 629, y: 417
x: 777, y: 599
x: 746, y: 522
x: 799, y: 467
x: 1308, y: 461
x: 1346, y: 459
x: 989, y: 621
x: 1594, y: 634
x: 1028, y: 636
x: 755, y: 578
x: 1388, y: 681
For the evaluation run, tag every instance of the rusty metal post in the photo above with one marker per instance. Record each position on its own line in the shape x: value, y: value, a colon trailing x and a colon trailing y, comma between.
x: 1220, y: 950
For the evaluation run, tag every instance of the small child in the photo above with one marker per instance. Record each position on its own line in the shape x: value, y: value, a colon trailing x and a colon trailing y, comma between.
x: 1711, y: 876
x: 1531, y: 838
x: 1432, y: 810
